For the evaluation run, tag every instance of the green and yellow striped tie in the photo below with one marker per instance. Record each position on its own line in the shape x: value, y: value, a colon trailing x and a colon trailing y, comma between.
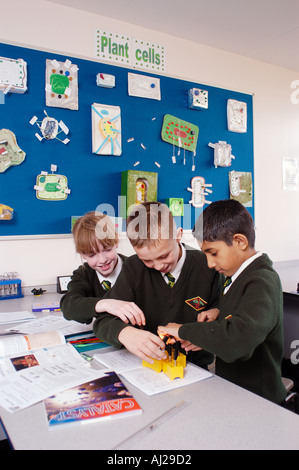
x: 171, y: 279
x: 227, y: 283
x: 106, y: 285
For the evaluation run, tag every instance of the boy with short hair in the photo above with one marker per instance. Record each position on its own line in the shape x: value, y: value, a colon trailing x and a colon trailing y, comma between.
x: 167, y: 281
x: 247, y: 337
x: 96, y: 240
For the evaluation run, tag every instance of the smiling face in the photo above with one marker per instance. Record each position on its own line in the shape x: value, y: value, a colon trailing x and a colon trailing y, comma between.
x: 224, y: 258
x: 104, y: 260
x: 96, y: 241
x: 162, y: 256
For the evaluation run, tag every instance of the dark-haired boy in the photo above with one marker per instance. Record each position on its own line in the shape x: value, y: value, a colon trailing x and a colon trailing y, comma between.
x: 247, y: 337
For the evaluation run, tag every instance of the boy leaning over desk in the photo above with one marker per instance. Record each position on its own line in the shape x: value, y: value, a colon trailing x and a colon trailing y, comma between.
x: 168, y: 281
x: 247, y: 337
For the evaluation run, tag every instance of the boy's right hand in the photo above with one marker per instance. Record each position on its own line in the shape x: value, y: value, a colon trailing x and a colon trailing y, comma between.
x: 128, y: 312
x: 143, y: 344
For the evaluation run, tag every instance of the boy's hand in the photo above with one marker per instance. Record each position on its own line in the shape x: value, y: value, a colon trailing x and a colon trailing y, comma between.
x: 172, y: 329
x: 208, y: 315
x: 128, y: 312
x: 143, y: 344
x: 189, y: 346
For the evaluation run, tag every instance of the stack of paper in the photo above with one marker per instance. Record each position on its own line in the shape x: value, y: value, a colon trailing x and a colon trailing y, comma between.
x: 15, y: 317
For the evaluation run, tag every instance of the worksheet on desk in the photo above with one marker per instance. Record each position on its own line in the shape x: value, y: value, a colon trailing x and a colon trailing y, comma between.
x: 14, y: 317
x: 25, y: 388
x: 50, y: 323
x: 120, y: 360
x: 150, y: 382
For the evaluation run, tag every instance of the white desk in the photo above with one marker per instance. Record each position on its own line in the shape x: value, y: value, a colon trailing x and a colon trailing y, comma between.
x: 217, y: 415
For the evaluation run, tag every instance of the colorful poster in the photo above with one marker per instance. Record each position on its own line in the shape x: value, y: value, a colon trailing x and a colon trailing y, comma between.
x: 106, y: 129
x: 62, y: 84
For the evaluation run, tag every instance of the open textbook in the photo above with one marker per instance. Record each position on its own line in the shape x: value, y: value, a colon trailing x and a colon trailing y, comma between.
x: 33, y: 367
x: 79, y: 335
x: 19, y: 352
x: 149, y: 381
x: 29, y: 386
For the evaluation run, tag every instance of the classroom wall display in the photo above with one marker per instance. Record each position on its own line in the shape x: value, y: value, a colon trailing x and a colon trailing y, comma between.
x: 144, y: 86
x: 137, y: 187
x: 62, y: 84
x: 182, y: 134
x: 95, y: 179
x: 240, y: 183
x: 105, y: 80
x: 50, y: 128
x: 6, y: 212
x: 176, y: 206
x: 129, y: 51
x: 51, y: 187
x: 198, y: 99
x: 106, y: 129
x: 199, y: 189
x: 222, y: 153
x: 10, y: 152
x: 13, y: 75
x: 236, y: 116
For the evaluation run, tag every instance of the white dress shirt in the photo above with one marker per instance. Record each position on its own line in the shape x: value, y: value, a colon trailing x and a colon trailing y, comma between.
x: 241, y: 268
x: 113, y: 276
x: 177, y: 270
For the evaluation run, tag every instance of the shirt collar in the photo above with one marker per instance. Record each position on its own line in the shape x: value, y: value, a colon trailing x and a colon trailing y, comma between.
x: 178, y: 268
x: 241, y: 268
x: 113, y: 276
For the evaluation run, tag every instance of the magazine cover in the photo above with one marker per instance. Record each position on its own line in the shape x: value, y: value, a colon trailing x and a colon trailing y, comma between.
x: 105, y: 397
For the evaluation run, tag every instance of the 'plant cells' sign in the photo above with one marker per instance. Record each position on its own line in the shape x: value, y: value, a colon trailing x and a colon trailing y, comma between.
x: 124, y: 50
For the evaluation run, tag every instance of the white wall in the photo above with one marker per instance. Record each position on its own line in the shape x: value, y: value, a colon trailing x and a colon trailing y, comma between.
x: 43, y: 25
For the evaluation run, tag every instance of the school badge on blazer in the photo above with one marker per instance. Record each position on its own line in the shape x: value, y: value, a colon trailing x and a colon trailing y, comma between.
x: 197, y: 303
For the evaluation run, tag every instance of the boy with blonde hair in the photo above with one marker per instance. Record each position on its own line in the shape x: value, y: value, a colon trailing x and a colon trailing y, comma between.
x: 168, y: 282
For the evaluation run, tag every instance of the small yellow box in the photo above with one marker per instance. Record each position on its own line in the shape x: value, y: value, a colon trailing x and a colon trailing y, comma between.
x: 168, y: 366
x: 157, y: 366
x: 172, y: 371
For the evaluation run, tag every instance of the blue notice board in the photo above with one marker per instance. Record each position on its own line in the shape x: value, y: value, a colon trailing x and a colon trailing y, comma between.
x: 95, y: 180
